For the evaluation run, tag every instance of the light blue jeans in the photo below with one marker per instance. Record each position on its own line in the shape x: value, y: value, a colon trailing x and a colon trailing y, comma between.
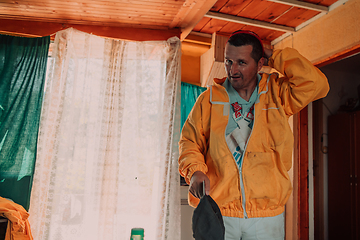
x: 269, y: 228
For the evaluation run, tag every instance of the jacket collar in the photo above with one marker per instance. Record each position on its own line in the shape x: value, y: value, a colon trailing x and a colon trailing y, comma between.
x: 218, y: 94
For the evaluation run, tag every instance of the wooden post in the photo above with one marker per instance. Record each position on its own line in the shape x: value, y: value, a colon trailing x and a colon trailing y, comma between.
x: 303, y: 181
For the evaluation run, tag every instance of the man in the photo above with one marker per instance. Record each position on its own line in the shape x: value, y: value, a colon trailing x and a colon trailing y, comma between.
x: 237, y: 139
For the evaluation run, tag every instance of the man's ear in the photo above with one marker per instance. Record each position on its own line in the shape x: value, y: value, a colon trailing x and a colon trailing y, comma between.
x: 261, y: 63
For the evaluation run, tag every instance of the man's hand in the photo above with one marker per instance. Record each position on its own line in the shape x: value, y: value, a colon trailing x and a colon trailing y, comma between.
x: 196, y: 184
x: 267, y: 54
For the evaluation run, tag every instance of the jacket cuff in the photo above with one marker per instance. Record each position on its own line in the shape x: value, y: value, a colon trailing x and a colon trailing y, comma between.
x: 193, y: 169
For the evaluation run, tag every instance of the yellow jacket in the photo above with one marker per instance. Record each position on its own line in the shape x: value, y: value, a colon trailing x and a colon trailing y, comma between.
x: 18, y: 227
x: 268, y: 154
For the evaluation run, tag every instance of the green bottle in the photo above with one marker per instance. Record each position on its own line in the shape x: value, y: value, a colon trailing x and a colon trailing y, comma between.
x: 137, y: 234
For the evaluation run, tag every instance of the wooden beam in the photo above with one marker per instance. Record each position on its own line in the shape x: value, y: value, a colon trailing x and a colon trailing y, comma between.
x: 247, y: 21
x: 29, y: 28
x: 190, y: 14
x: 319, y: 170
x: 339, y: 56
x: 192, y: 38
x: 292, y: 208
x: 182, y: 13
x: 39, y: 29
x: 303, y: 181
x: 301, y: 4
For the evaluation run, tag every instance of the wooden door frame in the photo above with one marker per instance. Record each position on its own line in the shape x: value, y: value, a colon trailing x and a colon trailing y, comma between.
x: 297, y: 208
x: 301, y: 159
x: 319, y: 149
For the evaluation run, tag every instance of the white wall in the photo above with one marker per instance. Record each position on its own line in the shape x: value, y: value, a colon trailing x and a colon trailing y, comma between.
x: 186, y: 215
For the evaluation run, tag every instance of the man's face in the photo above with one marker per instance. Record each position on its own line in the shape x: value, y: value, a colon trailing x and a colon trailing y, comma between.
x: 240, y: 67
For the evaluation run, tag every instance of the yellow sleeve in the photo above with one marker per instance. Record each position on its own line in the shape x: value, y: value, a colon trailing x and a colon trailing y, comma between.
x: 193, y: 142
x: 302, y: 82
x: 18, y: 224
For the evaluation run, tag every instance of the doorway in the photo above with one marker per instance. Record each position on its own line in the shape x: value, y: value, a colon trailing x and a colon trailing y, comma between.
x: 344, y: 78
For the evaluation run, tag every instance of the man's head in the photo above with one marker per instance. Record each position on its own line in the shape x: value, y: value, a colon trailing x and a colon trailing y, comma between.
x: 243, y: 59
x: 242, y: 38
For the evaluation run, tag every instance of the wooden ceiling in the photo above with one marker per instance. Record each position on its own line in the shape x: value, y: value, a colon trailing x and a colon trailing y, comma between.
x: 157, y: 14
x: 271, y: 19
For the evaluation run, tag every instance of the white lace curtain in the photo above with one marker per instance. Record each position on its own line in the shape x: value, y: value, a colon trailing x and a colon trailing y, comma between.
x: 107, y: 154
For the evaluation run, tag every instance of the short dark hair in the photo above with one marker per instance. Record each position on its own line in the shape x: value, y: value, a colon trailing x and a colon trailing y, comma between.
x: 242, y: 38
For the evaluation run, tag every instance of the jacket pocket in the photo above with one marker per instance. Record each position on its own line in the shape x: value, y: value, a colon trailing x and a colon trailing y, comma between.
x: 261, y: 179
x: 272, y: 125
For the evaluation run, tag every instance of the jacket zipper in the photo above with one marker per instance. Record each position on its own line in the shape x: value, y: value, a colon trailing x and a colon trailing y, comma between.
x: 242, y: 156
x: 240, y: 168
x: 242, y: 188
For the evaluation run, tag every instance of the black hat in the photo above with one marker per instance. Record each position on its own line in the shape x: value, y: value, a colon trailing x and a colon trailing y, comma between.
x: 207, y: 222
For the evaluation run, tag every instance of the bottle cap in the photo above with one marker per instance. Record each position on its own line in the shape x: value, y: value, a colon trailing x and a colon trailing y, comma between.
x: 137, y: 231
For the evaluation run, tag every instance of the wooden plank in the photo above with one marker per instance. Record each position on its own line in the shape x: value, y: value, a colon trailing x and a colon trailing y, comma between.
x: 218, y: 5
x: 201, y: 7
x: 262, y: 32
x: 328, y: 3
x: 313, y: 1
x: 338, y: 56
x: 303, y: 17
x: 111, y: 13
x: 78, y: 13
x: 267, y: 35
x: 206, y: 63
x: 199, y: 40
x: 97, y: 20
x: 230, y: 28
x: 201, y: 24
x: 234, y: 7
x: 274, y: 11
x: 301, y: 4
x: 249, y: 21
x: 292, y: 17
x: 291, y: 209
x: 254, y: 9
x: 84, y: 12
x: 135, y: 34
x: 48, y: 28
x: 182, y: 13
x: 320, y: 2
x: 128, y: 23
x: 319, y: 167
x: 273, y: 35
x: 97, y: 5
x: 214, y: 25
x: 102, y: 3
x: 303, y: 190
x: 219, y: 50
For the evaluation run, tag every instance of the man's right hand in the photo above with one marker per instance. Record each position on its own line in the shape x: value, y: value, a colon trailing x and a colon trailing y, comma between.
x: 267, y: 54
x: 196, y: 184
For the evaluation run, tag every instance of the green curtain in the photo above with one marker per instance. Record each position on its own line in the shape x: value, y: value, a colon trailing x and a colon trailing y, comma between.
x: 22, y: 77
x: 189, y: 94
